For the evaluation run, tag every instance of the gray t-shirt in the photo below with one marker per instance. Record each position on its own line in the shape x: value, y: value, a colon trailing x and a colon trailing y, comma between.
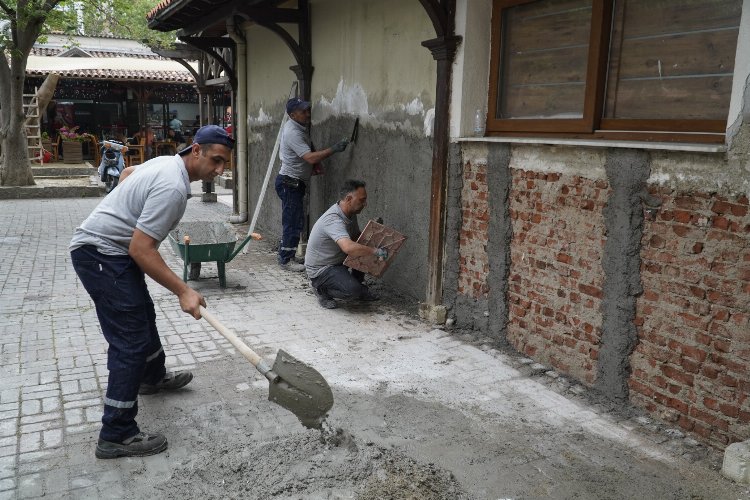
x: 295, y: 143
x: 322, y: 249
x: 153, y: 199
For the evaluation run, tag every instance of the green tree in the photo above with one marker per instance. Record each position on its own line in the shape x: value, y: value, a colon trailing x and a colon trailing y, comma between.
x: 22, y: 23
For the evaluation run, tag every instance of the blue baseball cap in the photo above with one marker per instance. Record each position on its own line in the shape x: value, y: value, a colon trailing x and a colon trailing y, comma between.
x: 211, y: 134
x: 296, y: 103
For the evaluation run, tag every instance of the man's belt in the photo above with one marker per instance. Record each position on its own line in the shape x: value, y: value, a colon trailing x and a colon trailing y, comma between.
x: 292, y: 182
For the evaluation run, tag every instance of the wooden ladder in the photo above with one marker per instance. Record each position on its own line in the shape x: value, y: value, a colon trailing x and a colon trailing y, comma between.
x: 33, y: 127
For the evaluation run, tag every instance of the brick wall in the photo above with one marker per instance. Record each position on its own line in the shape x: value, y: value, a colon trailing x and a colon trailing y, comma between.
x: 473, y: 259
x: 692, y: 362
x: 556, y: 275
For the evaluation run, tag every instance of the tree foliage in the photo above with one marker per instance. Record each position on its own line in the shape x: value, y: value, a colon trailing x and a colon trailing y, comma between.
x: 22, y: 23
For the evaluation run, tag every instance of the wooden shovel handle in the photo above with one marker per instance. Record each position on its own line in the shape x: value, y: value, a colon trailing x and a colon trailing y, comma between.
x: 228, y: 334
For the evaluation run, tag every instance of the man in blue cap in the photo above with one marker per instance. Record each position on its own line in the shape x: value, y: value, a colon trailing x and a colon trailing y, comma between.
x: 297, y: 160
x: 112, y: 251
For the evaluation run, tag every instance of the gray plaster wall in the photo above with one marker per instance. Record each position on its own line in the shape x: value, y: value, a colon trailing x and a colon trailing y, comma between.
x: 490, y: 314
x: 451, y: 270
x: 397, y: 169
x: 627, y: 171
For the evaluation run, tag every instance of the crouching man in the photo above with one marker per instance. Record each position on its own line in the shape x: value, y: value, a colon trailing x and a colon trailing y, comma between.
x: 111, y: 251
x: 332, y: 238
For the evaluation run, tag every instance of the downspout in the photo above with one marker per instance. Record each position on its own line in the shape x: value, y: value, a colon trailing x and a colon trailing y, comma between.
x: 239, y: 121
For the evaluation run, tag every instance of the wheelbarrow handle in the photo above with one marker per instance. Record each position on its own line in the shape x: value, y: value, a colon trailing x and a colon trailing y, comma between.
x: 248, y: 353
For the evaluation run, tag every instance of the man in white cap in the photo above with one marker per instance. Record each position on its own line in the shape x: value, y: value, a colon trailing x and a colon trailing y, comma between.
x: 297, y: 160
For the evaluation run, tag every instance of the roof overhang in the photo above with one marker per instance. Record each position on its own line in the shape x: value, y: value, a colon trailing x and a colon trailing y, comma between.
x: 209, y: 16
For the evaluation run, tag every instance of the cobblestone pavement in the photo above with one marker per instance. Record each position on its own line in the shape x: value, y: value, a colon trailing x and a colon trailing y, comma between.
x: 504, y: 426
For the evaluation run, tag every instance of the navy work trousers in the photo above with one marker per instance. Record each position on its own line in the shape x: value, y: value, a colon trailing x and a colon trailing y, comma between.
x: 128, y: 320
x: 292, y: 215
x: 340, y: 282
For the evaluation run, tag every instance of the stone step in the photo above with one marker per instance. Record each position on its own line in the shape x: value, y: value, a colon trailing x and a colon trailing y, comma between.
x: 35, y: 192
x: 57, y: 171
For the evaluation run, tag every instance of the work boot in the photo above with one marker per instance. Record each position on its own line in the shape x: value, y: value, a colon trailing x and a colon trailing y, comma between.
x: 292, y: 266
x: 140, y: 445
x: 368, y: 296
x: 171, y: 382
x: 325, y: 300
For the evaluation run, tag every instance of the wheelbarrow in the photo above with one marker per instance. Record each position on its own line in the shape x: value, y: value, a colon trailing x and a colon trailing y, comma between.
x: 201, y: 241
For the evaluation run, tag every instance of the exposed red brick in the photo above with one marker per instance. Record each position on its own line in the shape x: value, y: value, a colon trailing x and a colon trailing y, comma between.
x: 677, y: 375
x: 590, y: 290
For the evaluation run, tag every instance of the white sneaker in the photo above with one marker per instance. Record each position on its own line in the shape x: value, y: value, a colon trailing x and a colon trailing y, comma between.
x: 293, y: 266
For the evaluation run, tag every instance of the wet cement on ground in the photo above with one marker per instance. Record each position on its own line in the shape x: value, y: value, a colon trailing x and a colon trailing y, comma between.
x: 391, y: 445
x: 307, y: 466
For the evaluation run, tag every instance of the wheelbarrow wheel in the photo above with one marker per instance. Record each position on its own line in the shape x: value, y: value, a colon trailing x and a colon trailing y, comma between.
x: 195, y: 270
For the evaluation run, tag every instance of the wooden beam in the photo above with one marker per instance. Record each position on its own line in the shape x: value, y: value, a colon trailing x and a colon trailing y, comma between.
x: 222, y: 80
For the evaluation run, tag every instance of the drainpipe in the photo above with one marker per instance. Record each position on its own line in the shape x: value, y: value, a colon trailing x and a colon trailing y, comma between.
x: 239, y: 121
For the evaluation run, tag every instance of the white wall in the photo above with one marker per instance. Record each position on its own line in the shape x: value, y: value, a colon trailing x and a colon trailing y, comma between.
x: 368, y: 62
x: 472, y: 65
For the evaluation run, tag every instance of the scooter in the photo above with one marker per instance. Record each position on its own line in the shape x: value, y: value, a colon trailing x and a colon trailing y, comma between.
x: 112, y: 164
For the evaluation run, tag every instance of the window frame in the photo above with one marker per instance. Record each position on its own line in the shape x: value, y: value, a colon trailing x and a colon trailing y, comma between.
x: 593, y: 124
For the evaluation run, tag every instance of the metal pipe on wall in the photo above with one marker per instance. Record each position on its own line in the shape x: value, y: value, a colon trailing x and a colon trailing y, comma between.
x: 239, y: 122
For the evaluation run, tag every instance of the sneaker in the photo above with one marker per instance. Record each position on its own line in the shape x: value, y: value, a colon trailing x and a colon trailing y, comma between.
x: 325, y: 300
x: 171, y: 382
x: 293, y: 266
x: 299, y: 260
x: 140, y: 445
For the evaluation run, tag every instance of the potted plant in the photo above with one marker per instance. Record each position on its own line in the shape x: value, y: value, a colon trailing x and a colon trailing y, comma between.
x: 72, y: 144
x: 46, y: 141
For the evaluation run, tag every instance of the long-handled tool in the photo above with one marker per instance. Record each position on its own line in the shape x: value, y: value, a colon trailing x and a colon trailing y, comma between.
x: 293, y: 385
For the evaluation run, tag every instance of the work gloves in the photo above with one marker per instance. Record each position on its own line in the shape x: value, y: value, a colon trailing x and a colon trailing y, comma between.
x: 340, y: 146
x: 381, y: 253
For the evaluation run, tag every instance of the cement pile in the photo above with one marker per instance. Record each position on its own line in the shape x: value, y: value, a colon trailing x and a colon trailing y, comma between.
x: 308, y: 466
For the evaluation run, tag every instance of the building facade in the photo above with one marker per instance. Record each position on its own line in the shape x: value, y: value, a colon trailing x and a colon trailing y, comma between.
x: 596, y: 219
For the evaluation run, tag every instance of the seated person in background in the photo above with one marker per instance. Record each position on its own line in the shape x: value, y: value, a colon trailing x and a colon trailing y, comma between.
x: 332, y: 238
x: 176, y: 137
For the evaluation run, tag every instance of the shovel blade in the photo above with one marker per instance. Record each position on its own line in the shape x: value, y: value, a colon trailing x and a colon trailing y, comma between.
x: 301, y: 390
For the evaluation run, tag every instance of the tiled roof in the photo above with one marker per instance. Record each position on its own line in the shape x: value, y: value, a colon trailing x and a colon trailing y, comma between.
x: 118, y: 74
x: 110, y: 68
x: 161, y: 5
x: 53, y: 51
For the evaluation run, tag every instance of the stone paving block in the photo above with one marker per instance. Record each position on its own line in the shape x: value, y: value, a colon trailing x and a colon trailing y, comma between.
x: 9, y: 449
x: 93, y: 414
x: 82, y: 399
x: 88, y: 385
x: 7, y: 484
x: 50, y: 404
x: 30, y: 486
x: 31, y: 441
x: 82, y: 428
x: 8, y: 427
x: 7, y: 466
x: 31, y: 407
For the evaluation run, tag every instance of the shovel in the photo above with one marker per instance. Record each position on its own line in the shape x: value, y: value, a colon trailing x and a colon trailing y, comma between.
x: 293, y: 385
